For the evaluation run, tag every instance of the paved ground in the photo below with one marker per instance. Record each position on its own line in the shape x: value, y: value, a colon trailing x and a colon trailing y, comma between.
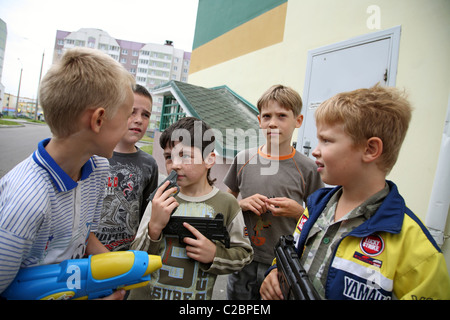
x: 17, y: 143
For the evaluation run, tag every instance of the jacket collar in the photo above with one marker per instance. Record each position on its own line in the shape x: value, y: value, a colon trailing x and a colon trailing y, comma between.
x: 62, y: 180
x: 388, y: 217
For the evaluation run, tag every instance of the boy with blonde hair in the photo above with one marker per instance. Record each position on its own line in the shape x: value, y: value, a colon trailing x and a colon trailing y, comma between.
x: 50, y: 203
x: 359, y: 240
x: 273, y: 181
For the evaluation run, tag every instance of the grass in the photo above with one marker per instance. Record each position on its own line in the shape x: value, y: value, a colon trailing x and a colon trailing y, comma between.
x: 148, y: 147
x: 9, y: 123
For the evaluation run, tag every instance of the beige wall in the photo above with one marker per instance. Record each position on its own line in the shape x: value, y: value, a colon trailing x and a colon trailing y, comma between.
x: 423, y: 70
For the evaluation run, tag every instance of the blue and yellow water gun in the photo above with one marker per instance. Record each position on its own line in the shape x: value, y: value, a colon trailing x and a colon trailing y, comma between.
x: 94, y: 277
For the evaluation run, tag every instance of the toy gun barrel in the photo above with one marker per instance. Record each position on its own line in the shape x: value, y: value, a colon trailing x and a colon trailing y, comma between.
x: 293, y: 279
x: 95, y: 277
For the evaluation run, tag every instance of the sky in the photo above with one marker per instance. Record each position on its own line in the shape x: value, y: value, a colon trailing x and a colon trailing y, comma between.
x: 32, y: 25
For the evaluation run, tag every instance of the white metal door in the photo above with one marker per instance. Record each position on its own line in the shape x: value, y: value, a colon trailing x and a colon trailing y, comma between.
x: 356, y: 63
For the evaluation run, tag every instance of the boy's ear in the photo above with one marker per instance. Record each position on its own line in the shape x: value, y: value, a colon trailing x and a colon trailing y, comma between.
x: 210, y: 160
x: 299, y: 121
x: 97, y: 119
x: 373, y: 149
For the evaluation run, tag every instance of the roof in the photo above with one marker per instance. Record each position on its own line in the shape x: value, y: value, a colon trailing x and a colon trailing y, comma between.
x: 233, y: 119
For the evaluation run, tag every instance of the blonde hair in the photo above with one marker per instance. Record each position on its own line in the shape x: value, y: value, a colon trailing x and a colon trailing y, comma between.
x: 382, y: 112
x: 285, y: 96
x: 84, y: 78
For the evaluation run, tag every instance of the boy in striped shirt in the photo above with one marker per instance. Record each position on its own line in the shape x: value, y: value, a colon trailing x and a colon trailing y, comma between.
x: 51, y: 202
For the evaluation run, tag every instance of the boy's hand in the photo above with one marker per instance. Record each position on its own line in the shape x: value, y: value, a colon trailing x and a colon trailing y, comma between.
x: 270, y: 288
x: 201, y: 249
x: 255, y: 203
x: 116, y: 295
x: 285, y: 207
x: 162, y: 207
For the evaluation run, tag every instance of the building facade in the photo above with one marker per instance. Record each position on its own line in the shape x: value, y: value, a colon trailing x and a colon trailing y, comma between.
x: 251, y: 45
x: 151, y: 64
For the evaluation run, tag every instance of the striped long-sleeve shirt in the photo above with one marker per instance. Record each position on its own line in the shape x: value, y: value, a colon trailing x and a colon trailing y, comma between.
x: 45, y: 216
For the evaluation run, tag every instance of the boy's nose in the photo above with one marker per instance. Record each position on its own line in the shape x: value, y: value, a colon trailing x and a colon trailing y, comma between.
x: 273, y: 123
x: 176, y: 163
x: 137, y: 119
x: 315, y: 152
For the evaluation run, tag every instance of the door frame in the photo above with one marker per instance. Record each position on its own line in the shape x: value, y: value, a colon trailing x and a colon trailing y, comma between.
x: 392, y: 33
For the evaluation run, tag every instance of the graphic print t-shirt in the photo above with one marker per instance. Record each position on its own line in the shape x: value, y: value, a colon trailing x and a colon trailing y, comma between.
x: 133, y: 176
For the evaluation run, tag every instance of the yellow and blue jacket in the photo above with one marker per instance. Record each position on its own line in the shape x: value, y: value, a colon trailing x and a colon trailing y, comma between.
x: 390, y: 256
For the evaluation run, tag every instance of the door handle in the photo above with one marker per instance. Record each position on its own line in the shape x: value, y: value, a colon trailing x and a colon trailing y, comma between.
x: 307, y: 148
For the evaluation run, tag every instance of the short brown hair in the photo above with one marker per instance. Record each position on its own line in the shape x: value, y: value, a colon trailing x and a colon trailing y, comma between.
x: 285, y: 96
x: 382, y: 112
x: 84, y: 78
x: 202, y: 140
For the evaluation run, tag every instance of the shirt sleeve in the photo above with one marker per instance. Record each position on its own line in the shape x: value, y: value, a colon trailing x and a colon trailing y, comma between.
x: 240, y: 253
x: 230, y: 179
x: 142, y: 240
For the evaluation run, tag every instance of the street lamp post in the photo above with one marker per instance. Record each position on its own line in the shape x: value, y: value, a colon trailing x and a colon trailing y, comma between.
x: 18, y: 91
x: 39, y: 82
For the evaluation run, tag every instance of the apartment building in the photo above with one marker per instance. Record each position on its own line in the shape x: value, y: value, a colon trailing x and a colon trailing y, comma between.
x: 151, y: 64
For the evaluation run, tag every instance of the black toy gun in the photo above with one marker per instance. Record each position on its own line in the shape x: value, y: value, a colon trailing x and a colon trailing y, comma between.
x: 294, y: 282
x: 94, y: 277
x: 172, y: 177
x: 212, y: 229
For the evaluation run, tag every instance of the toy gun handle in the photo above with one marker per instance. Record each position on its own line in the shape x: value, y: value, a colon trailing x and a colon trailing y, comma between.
x: 95, y: 277
x: 172, y: 177
x: 293, y: 279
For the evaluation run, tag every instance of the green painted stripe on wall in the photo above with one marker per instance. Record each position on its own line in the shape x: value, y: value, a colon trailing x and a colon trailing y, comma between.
x: 216, y: 17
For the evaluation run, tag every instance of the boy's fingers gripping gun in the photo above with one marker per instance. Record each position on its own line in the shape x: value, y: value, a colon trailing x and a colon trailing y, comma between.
x: 95, y: 277
x: 172, y: 177
x: 294, y: 282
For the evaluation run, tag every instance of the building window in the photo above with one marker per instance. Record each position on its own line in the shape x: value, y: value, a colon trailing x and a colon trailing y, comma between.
x: 171, y: 112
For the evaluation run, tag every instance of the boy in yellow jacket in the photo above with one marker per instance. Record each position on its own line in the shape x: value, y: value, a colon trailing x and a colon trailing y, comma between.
x: 359, y: 240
